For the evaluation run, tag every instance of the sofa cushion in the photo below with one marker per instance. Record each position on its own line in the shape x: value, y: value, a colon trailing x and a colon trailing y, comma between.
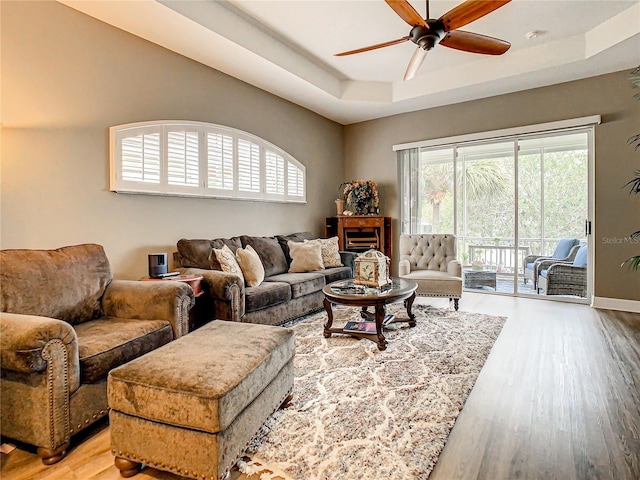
x: 301, y: 283
x: 109, y: 342
x: 203, y: 380
x: 294, y: 237
x: 337, y: 273
x: 270, y: 253
x: 251, y: 266
x: 306, y: 256
x: 66, y: 283
x: 199, y: 253
x: 265, y: 295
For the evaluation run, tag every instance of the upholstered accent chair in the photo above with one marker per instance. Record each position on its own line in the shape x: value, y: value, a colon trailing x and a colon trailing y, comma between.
x: 565, y: 278
x: 430, y: 261
x: 563, y: 253
x: 64, y: 324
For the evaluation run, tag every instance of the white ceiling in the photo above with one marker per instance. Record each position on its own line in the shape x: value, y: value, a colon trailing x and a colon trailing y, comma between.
x: 287, y: 47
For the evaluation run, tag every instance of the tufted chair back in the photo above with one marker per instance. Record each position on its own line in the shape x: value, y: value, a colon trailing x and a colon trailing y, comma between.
x: 429, y: 251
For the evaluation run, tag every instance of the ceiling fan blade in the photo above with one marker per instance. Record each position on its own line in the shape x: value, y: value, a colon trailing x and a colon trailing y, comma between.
x: 475, y: 43
x: 415, y: 63
x: 469, y: 11
x: 373, y: 47
x: 404, y: 9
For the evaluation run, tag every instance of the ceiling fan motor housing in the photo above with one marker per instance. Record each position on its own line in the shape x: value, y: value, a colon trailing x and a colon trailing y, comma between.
x: 429, y: 36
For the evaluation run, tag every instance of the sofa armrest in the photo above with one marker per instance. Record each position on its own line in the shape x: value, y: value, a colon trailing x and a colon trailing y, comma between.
x: 170, y: 301
x: 455, y: 268
x: 221, y: 287
x: 404, y: 267
x: 28, y: 343
x: 348, y: 259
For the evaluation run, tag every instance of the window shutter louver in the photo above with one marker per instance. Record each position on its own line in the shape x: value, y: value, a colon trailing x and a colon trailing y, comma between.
x: 182, y: 158
x: 274, y: 176
x: 141, y: 158
x: 248, y: 166
x: 220, y: 161
x: 295, y: 181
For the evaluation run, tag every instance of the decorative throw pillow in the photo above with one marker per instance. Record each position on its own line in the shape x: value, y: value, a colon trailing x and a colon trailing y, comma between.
x: 305, y: 256
x: 251, y: 266
x: 227, y: 261
x: 330, y: 252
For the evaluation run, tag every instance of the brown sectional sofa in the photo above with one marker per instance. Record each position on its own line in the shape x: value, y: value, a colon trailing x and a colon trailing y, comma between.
x: 281, y: 297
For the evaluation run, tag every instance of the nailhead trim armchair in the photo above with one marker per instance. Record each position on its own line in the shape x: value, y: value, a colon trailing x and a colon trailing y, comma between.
x: 64, y: 324
x: 430, y: 261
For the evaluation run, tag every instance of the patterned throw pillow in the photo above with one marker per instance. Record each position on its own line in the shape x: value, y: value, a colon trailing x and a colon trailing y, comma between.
x: 251, y: 266
x: 305, y: 256
x: 227, y: 261
x: 330, y: 252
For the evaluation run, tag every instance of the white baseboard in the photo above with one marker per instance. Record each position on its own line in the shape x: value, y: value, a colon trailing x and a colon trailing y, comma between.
x: 616, y: 304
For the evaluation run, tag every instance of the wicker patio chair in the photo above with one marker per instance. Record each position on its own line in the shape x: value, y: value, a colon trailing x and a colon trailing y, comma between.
x: 562, y: 253
x: 565, y: 278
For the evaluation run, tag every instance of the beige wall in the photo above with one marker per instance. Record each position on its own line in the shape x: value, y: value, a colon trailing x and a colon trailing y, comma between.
x: 66, y: 78
x: 368, y: 148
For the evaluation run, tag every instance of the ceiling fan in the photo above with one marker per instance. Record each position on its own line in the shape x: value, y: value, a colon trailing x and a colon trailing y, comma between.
x: 427, y: 33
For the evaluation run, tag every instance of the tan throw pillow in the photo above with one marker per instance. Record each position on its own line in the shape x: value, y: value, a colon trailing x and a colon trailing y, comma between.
x: 305, y: 256
x: 227, y: 261
x: 251, y: 266
x: 330, y: 252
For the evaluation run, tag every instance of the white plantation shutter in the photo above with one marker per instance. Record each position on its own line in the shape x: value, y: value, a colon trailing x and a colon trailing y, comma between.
x: 182, y: 158
x: 141, y: 158
x: 295, y: 177
x: 274, y: 173
x: 248, y: 166
x: 220, y: 161
x: 203, y: 160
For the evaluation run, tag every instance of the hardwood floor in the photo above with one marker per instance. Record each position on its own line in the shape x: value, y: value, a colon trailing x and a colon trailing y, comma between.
x: 558, y: 398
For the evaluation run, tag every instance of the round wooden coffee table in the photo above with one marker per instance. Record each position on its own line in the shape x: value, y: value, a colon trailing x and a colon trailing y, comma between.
x: 339, y: 293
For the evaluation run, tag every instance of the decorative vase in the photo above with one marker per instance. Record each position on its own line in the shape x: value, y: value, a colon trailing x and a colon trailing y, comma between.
x: 340, y: 206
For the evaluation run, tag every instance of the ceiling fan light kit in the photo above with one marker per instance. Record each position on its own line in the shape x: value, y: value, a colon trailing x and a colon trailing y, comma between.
x: 427, y: 33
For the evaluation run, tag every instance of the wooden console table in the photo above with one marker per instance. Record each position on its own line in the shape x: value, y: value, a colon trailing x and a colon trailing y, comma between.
x: 358, y: 233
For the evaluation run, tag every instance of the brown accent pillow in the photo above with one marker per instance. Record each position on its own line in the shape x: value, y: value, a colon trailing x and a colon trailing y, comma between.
x: 250, y: 265
x: 305, y: 256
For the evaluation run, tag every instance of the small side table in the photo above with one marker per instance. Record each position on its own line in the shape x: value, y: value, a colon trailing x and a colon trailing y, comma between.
x: 194, y: 281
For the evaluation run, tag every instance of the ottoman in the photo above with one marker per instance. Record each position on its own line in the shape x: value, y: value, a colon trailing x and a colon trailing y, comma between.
x: 191, y: 406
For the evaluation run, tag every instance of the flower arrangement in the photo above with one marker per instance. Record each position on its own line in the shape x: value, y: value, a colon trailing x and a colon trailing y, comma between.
x: 361, y: 194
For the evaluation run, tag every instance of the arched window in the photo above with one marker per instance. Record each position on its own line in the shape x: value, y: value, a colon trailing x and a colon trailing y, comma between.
x: 202, y: 160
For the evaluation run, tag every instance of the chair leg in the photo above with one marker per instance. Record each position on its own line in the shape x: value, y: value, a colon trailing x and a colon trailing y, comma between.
x: 50, y: 456
x: 455, y: 303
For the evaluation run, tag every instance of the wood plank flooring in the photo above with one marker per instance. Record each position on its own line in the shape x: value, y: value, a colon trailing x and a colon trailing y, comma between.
x: 558, y: 398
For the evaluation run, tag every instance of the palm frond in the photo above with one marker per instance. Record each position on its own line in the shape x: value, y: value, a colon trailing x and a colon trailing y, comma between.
x: 635, y: 235
x: 635, y: 140
x: 634, y: 184
x: 632, y: 262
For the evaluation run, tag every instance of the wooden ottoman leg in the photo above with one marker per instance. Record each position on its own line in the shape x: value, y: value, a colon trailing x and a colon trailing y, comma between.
x: 127, y: 467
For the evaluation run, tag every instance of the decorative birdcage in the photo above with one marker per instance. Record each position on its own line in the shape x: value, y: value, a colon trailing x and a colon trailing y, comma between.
x: 372, y: 269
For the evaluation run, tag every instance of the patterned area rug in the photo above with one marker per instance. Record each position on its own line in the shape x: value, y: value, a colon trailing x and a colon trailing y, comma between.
x: 361, y: 413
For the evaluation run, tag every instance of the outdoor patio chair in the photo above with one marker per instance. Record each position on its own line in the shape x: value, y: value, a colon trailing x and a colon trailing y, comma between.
x: 562, y: 252
x: 565, y: 278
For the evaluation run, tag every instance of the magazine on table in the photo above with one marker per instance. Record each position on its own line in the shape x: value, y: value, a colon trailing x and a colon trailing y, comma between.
x: 360, y: 327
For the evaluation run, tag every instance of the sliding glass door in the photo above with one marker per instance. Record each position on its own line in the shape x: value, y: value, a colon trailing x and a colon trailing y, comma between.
x: 509, y: 202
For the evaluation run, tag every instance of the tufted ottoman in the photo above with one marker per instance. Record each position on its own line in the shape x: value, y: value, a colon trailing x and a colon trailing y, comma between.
x: 192, y: 406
